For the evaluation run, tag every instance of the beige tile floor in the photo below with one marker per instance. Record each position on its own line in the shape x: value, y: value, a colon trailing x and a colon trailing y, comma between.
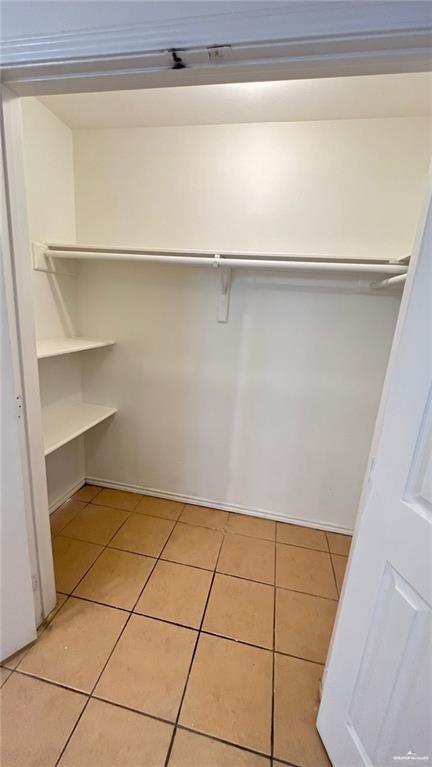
x: 184, y: 636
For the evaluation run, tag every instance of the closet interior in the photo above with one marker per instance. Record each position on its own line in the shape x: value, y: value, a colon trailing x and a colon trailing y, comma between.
x: 217, y: 273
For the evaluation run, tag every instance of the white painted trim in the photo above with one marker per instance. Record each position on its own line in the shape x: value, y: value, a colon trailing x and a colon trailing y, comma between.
x: 239, y: 24
x: 326, y: 56
x: 213, y: 504
x: 67, y: 494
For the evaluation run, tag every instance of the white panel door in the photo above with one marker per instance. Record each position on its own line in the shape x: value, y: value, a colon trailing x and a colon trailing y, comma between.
x: 17, y: 620
x: 376, y: 706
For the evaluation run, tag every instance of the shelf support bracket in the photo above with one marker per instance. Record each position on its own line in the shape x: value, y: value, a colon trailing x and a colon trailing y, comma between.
x: 225, y: 288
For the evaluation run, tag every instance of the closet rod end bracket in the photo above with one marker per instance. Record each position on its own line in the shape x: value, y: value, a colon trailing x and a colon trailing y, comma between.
x: 43, y: 263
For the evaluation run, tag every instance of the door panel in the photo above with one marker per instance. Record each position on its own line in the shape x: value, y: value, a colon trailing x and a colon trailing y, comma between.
x: 398, y: 632
x: 419, y: 486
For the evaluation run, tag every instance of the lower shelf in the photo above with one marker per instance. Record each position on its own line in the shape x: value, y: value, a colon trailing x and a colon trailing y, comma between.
x: 55, y: 347
x: 63, y: 423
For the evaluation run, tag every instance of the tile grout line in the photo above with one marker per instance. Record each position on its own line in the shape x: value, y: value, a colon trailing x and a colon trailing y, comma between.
x: 225, y: 742
x: 90, y: 695
x: 199, y: 632
x: 144, y: 714
x: 201, y: 527
x: 333, y: 570
x: 227, y: 532
x: 104, y: 546
x: 168, y: 756
x: 107, y: 546
x: 157, y: 559
x: 86, y: 503
x: 204, y: 632
x: 148, y: 556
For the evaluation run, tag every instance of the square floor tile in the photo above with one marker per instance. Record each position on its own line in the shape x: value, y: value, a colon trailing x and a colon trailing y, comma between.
x: 191, y: 750
x: 296, y: 701
x: 37, y: 719
x: 64, y: 514
x: 75, y: 646
x: 248, y: 558
x: 118, y: 499
x: 297, y: 535
x: 305, y: 570
x: 204, y: 516
x: 304, y: 624
x: 338, y: 543
x: 339, y: 564
x: 176, y: 593
x: 116, y: 578
x: 143, y: 535
x: 95, y: 524
x: 72, y: 559
x: 159, y: 507
x: 241, y: 610
x: 86, y: 493
x: 109, y: 736
x: 149, y: 666
x: 229, y: 693
x: 190, y: 545
x: 256, y: 527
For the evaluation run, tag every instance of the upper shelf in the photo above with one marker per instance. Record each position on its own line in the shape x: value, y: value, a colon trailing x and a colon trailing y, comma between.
x: 54, y: 347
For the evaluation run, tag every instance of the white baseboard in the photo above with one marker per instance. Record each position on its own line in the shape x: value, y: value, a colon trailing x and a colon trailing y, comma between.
x: 316, y: 523
x: 67, y: 494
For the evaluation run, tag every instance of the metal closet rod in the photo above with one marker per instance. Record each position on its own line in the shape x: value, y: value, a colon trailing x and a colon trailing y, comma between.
x: 256, y: 261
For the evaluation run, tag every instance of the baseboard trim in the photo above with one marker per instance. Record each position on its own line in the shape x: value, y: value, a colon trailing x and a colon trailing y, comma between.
x: 65, y: 496
x: 211, y: 503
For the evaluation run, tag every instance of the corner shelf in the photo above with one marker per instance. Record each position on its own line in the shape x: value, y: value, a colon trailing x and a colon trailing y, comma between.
x: 54, y: 347
x: 64, y: 422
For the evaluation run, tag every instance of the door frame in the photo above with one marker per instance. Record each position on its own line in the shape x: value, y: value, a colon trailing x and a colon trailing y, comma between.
x: 19, y: 304
x: 317, y: 57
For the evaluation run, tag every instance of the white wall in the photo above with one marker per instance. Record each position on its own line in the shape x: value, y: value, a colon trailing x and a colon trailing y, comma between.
x: 345, y: 187
x: 273, y: 411
x: 48, y: 157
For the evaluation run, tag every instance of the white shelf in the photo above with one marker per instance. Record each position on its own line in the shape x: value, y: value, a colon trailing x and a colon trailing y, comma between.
x: 63, y: 423
x: 54, y: 347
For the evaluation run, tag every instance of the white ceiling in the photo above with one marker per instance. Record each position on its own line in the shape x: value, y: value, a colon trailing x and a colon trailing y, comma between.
x: 400, y: 95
